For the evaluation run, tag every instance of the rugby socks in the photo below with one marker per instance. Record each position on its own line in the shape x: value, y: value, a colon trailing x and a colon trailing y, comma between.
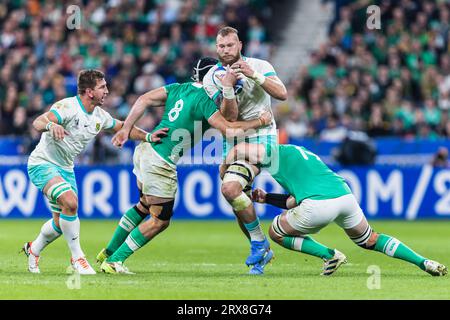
x: 130, y: 220
x: 309, y: 246
x: 395, y: 248
x: 255, y: 231
x: 70, y: 226
x: 49, y: 233
x: 133, y: 242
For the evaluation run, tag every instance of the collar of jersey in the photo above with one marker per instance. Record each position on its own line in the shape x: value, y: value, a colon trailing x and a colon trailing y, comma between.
x: 81, y: 105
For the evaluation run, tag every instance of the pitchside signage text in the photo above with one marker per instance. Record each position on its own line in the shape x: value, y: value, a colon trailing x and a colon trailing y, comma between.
x: 106, y: 192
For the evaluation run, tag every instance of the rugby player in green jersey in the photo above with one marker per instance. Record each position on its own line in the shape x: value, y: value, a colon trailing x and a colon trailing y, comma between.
x: 318, y: 196
x: 187, y: 109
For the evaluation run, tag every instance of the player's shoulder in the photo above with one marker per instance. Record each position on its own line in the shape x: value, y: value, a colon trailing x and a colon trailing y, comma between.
x: 256, y: 61
x: 198, y: 90
x: 100, y: 111
x: 68, y: 104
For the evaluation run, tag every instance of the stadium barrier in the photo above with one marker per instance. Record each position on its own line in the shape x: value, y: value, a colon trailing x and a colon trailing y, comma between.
x: 384, y: 192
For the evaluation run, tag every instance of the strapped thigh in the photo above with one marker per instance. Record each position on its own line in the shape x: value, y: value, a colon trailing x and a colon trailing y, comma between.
x: 57, y: 190
x: 54, y: 207
x: 277, y: 228
x: 162, y: 211
x: 241, y: 172
x: 362, y: 239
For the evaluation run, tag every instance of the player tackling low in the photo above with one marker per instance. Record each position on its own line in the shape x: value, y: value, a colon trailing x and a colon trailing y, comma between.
x: 318, y: 196
x: 70, y: 125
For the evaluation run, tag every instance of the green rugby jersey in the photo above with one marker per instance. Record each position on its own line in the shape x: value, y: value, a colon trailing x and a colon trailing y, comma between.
x: 301, y: 173
x: 187, y: 110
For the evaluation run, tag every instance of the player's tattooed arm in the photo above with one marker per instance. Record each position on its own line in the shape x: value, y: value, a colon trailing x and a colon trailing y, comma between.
x: 153, y: 98
x: 49, y: 122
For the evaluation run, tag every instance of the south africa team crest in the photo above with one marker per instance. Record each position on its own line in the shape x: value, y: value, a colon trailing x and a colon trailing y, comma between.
x: 97, y: 126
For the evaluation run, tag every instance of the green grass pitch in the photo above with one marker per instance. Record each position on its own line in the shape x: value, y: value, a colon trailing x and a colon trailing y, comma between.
x: 205, y: 260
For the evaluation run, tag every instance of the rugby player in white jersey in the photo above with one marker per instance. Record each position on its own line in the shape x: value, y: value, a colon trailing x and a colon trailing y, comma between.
x: 258, y: 84
x: 70, y: 125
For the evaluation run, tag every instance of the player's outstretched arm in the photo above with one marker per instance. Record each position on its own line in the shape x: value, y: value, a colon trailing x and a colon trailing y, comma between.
x: 137, y: 133
x: 238, y: 128
x: 153, y: 98
x: 49, y: 122
x: 284, y: 201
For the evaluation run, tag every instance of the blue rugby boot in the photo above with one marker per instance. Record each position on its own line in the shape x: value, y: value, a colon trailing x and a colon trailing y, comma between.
x: 257, y: 251
x: 258, y: 268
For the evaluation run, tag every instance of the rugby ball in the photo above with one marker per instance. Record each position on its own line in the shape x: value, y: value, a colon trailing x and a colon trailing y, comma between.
x: 218, y: 75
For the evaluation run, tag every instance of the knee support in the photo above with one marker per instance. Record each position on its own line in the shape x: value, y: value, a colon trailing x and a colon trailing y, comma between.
x: 142, y: 214
x: 54, y: 207
x: 241, y: 172
x: 363, y: 238
x: 276, y: 227
x: 241, y: 202
x: 162, y: 211
x: 57, y: 190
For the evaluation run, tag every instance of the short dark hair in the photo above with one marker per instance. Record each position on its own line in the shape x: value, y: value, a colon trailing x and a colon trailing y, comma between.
x: 226, y: 31
x: 88, y: 79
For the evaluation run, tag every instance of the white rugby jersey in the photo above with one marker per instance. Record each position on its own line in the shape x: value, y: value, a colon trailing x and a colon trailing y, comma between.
x: 82, y: 127
x: 252, y: 100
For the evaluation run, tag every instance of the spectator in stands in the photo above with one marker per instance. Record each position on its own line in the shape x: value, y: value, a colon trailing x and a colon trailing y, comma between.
x: 404, y: 67
x: 440, y: 159
x: 334, y: 131
x: 139, y: 45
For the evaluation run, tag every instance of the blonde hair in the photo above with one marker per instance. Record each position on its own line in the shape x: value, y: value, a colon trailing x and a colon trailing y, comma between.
x: 226, y: 31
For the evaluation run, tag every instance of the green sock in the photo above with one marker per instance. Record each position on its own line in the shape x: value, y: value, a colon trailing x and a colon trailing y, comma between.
x: 133, y: 242
x: 130, y: 220
x: 395, y: 248
x: 309, y: 246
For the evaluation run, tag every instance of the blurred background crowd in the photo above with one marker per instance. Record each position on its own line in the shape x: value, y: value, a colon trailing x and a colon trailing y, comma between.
x: 389, y: 82
x: 394, y: 81
x: 140, y: 45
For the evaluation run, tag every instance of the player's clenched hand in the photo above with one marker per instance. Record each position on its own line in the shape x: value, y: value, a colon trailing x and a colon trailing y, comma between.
x: 266, y: 118
x: 58, y: 132
x: 243, y: 67
x: 259, y: 195
x: 230, y: 78
x: 119, y: 139
x: 158, y: 134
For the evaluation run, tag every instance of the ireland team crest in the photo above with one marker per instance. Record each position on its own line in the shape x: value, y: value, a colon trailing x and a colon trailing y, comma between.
x: 97, y: 126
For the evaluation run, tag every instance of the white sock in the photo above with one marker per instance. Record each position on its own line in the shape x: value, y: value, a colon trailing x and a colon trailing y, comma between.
x: 255, y: 231
x: 70, y: 226
x: 47, y: 235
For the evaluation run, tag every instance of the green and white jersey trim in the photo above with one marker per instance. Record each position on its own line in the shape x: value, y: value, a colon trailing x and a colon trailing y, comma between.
x: 82, y: 127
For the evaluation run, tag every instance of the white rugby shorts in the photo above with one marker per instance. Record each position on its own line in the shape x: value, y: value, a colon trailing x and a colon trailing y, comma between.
x: 312, y: 215
x: 158, y: 177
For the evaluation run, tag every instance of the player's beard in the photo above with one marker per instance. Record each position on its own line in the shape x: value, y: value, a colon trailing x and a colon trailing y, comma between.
x: 100, y: 101
x: 234, y: 59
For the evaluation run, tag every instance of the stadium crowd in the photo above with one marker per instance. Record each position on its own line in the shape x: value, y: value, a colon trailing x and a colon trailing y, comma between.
x: 140, y: 45
x: 391, y: 81
x: 394, y: 81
